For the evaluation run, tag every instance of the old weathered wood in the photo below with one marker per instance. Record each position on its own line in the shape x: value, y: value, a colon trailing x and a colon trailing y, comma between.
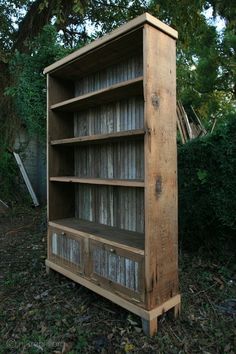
x: 112, y: 188
x: 160, y: 168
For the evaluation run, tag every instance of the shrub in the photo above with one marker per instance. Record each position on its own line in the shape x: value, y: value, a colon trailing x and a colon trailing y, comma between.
x: 207, y: 189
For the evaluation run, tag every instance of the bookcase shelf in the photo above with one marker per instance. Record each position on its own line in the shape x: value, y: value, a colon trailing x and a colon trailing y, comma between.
x: 116, y: 92
x: 128, y: 240
x: 106, y: 182
x: 100, y: 138
x: 112, y: 189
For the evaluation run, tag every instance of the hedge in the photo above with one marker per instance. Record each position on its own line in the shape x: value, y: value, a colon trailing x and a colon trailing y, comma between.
x: 207, y: 190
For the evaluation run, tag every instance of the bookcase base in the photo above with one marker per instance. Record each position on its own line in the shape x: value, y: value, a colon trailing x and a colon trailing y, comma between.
x: 149, y: 318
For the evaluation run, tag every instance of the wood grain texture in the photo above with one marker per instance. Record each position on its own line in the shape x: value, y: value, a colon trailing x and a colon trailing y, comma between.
x: 160, y: 168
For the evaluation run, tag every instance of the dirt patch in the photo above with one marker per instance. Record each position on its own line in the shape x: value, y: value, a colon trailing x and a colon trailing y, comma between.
x: 51, y: 314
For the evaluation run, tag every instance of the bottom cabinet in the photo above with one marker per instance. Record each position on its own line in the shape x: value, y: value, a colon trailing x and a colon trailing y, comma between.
x: 117, y: 269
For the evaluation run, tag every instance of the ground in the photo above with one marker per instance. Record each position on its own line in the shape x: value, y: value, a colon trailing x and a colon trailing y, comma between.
x: 51, y: 314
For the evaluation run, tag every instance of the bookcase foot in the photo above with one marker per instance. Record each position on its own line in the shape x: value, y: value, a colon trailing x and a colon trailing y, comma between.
x: 149, y: 327
x: 174, y: 312
x: 48, y: 270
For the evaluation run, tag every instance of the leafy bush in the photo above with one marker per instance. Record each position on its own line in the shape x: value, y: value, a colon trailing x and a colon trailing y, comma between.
x: 27, y: 96
x: 29, y: 88
x: 207, y: 189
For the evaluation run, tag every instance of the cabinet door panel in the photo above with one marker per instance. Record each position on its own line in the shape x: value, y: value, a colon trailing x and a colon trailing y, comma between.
x: 117, y: 269
x: 66, y: 249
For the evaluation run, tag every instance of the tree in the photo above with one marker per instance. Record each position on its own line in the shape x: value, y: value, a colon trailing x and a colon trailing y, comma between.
x: 205, y: 58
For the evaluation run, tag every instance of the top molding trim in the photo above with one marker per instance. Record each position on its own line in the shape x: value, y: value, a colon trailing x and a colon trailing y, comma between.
x: 145, y: 18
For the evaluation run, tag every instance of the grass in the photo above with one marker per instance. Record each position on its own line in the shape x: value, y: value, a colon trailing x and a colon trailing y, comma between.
x: 51, y: 314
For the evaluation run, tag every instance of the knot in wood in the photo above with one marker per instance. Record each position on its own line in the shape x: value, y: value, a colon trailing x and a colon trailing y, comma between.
x: 158, y: 186
x: 155, y: 100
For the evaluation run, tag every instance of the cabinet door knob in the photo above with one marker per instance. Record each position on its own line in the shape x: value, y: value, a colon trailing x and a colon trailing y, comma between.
x: 63, y: 233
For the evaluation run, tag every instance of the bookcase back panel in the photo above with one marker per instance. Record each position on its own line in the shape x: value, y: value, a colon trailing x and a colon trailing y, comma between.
x: 127, y: 69
x: 109, y: 118
x: 121, y: 207
x: 122, y: 160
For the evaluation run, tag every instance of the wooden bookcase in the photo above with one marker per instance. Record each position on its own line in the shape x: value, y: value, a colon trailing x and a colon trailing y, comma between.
x: 112, y: 194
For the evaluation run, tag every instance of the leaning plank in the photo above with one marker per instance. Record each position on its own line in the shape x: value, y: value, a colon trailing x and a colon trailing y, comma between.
x: 3, y: 207
x: 26, y: 179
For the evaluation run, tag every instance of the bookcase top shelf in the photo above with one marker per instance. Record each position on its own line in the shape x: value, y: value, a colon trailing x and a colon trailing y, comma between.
x: 100, y: 42
x: 106, y: 95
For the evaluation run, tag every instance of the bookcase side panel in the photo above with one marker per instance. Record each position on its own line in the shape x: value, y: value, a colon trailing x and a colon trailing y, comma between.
x: 59, y: 161
x: 161, y: 251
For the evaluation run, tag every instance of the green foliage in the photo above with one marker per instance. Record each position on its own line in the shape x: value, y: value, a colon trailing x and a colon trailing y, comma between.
x: 207, y: 188
x: 8, y: 173
x: 205, y: 57
x: 25, y: 102
x: 29, y: 88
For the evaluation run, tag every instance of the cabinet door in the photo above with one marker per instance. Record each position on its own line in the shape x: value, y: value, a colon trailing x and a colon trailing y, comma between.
x: 119, y: 270
x: 65, y: 249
